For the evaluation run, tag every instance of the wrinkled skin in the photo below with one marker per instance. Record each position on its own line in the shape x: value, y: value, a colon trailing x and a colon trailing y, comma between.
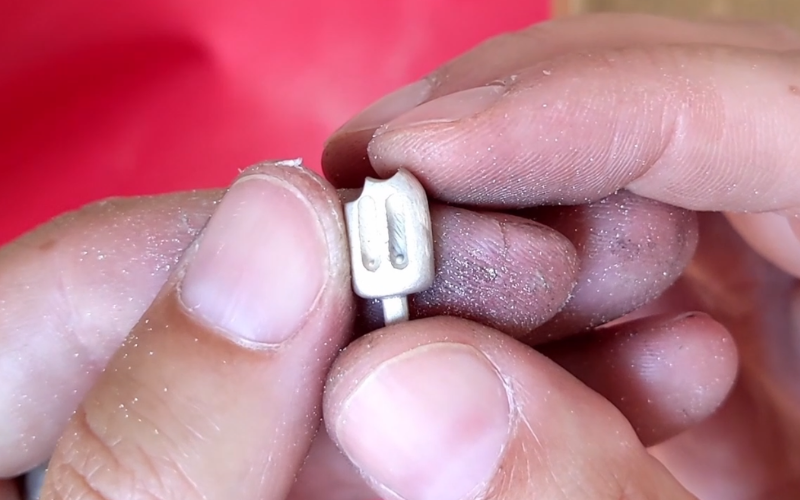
x: 701, y: 85
x: 602, y: 286
x: 753, y: 442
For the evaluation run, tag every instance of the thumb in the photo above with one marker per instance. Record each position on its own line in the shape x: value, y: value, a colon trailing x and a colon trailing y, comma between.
x: 442, y: 409
x: 216, y: 392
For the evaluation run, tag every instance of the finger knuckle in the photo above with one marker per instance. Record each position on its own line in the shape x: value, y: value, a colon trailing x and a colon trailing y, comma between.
x: 92, y: 465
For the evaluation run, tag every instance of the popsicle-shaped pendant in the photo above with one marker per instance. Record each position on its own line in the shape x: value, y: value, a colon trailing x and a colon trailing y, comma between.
x: 391, y: 245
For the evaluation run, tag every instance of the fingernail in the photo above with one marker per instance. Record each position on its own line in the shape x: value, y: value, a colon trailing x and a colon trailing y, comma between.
x: 449, y: 108
x: 260, y: 263
x: 430, y: 424
x: 389, y: 107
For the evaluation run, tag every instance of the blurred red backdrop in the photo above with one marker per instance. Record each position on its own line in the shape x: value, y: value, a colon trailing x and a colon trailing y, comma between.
x: 101, y: 98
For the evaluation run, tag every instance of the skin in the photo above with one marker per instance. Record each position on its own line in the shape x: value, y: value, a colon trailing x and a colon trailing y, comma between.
x: 676, y: 113
x: 529, y: 392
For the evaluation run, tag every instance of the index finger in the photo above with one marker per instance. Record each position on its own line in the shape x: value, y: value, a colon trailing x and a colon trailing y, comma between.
x: 700, y: 127
x: 345, y: 162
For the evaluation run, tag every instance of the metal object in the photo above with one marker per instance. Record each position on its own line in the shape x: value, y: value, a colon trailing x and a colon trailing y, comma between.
x: 391, y: 245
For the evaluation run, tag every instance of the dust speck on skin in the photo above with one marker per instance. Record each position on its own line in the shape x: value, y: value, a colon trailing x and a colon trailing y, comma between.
x: 631, y: 251
x: 498, y: 270
x: 107, y: 262
x: 290, y: 163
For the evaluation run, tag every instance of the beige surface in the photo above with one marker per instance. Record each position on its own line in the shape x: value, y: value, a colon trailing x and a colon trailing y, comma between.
x: 785, y: 11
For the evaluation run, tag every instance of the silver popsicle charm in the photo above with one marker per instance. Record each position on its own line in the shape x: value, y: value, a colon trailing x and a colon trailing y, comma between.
x: 391, y: 245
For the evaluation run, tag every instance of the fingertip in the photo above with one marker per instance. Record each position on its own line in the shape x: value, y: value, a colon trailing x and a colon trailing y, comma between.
x: 458, y: 410
x: 345, y: 162
x: 631, y: 250
x: 266, y: 231
x: 657, y: 120
x: 502, y: 271
x: 430, y: 160
x: 430, y: 422
x: 664, y: 373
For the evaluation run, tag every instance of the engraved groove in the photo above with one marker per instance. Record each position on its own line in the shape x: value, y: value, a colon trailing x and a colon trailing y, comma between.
x: 370, y: 247
x: 396, y: 218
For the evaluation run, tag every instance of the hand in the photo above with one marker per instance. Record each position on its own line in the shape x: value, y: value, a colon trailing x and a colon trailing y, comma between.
x: 136, y: 242
x: 216, y: 391
x: 74, y: 289
x: 699, y: 116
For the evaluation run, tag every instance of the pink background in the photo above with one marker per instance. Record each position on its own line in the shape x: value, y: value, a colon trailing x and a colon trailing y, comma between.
x: 102, y: 98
